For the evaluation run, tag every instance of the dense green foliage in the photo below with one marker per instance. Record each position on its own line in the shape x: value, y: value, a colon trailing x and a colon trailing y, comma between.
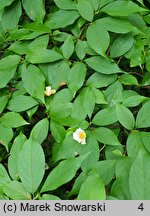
x: 74, y: 99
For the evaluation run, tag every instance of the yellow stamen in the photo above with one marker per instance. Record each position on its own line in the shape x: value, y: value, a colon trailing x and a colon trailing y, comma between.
x: 82, y: 135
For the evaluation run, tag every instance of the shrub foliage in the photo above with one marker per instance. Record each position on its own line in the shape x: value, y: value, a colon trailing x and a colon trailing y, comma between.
x: 74, y: 99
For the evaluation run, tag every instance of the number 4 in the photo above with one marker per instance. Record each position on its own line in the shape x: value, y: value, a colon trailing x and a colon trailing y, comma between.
x: 141, y: 207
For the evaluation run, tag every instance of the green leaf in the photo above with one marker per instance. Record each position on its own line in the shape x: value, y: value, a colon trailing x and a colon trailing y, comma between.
x: 20, y: 47
x: 68, y: 167
x: 132, y: 98
x: 137, y: 141
x: 35, y: 87
x: 113, y: 93
x: 111, y: 198
x: 106, y: 136
x: 3, y: 102
x: 55, y: 73
x: 6, y: 135
x: 68, y: 47
x: 68, y: 121
x: 80, y: 49
x: 8, y: 67
x: 19, y: 103
x: 16, y: 191
x: 31, y: 112
x: 32, y: 35
x: 121, y: 26
x: 18, y: 34
x: 62, y: 96
x: 43, y: 56
x: 88, y: 105
x: 67, y: 149
x: 4, y: 177
x: 139, y: 177
x: 95, y: 4
x: 98, y: 80
x: 145, y: 137
x: 40, y: 131
x: 34, y: 12
x: 99, y: 97
x: 135, y: 54
x: 120, y: 187
x: 125, y: 117
x: 85, y: 9
x: 102, y: 65
x: 65, y: 4
x: 58, y: 131
x: 121, y: 45
x: 60, y: 111
x: 49, y: 197
x: 128, y: 79
x: 76, y: 77
x: 114, y: 152
x: 78, y: 111
x: 37, y: 28
x: 60, y: 36
x: 14, y: 155
x: 5, y: 3
x: 61, y: 19
x: 137, y: 20
x: 12, y: 119
x: 147, y: 58
x: 106, y: 170
x: 101, y: 38
x: 104, y: 2
x: 3, y: 197
x: 133, y: 144
x: 77, y: 184
x: 143, y: 116
x: 13, y: 13
x: 31, y: 165
x: 105, y: 117
x: 92, y: 188
x: 82, y: 106
x: 39, y: 43
x: 92, y: 147
x: 122, y: 8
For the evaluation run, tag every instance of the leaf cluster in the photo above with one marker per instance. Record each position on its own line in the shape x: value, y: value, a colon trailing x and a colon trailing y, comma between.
x: 95, y: 57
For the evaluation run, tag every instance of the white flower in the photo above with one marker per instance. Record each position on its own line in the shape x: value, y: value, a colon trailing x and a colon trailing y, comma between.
x: 80, y: 136
x: 49, y: 91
